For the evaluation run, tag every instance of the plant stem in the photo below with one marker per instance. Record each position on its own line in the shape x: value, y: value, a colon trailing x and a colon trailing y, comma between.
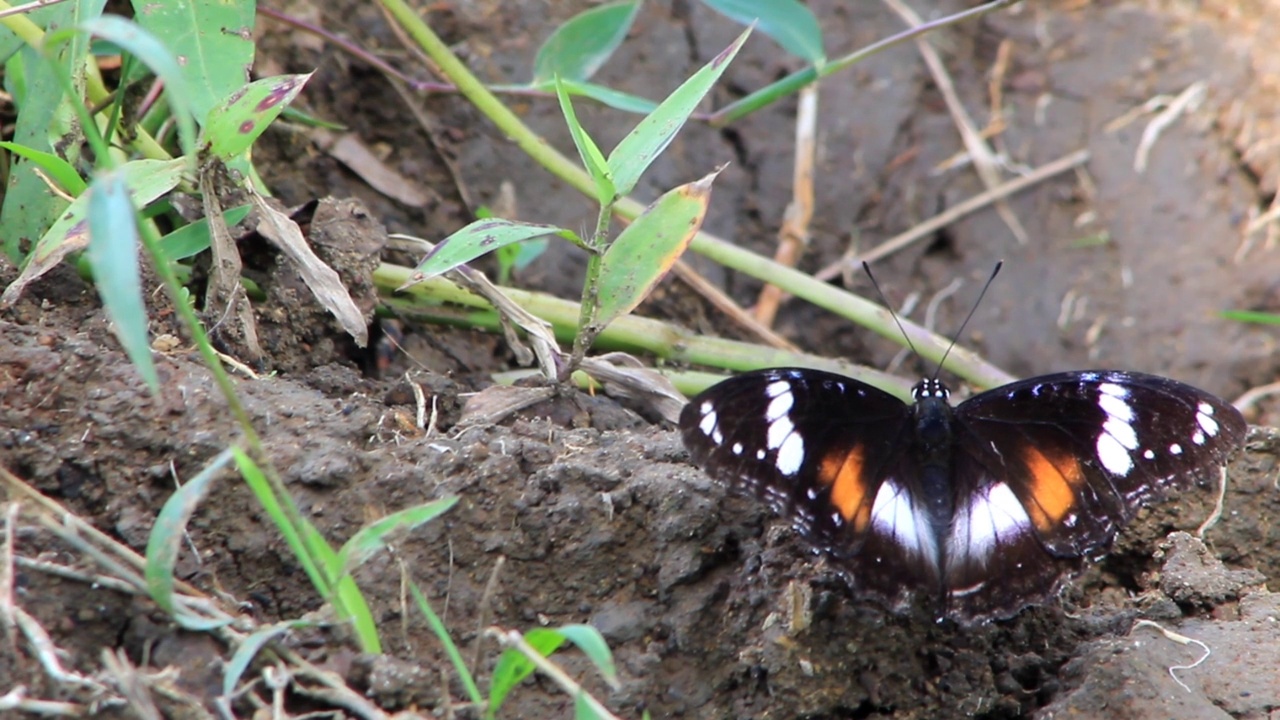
x: 630, y: 333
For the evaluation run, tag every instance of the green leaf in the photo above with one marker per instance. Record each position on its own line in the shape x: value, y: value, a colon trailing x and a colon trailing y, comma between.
x: 193, y: 238
x: 790, y: 24
x: 592, y: 644
x: 213, y: 40
x: 1252, y: 316
x: 233, y: 125
x: 146, y: 180
x: 652, y: 135
x: 590, y: 153
x: 644, y: 252
x: 478, y: 238
x: 373, y: 537
x: 150, y: 50
x: 578, y: 48
x: 249, y: 648
x: 608, y: 96
x: 166, y: 539
x: 29, y: 208
x: 58, y: 170
x: 113, y: 255
x: 513, y: 667
x: 450, y: 648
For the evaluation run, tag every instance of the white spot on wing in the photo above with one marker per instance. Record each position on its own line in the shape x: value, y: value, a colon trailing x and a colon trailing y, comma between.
x: 989, y: 518
x: 777, y: 388
x: 779, y: 406
x: 1114, y: 390
x: 1204, y: 417
x: 1198, y: 438
x: 894, y: 514
x: 790, y: 455
x: 778, y: 431
x: 708, y: 423
x: 737, y: 448
x: 1115, y: 458
x: 1115, y: 407
x: 1122, y: 432
x: 1176, y: 449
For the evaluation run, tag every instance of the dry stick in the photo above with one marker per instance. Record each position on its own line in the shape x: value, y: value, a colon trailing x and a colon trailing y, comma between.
x: 952, y: 214
x: 983, y: 159
x: 1251, y: 397
x: 731, y: 309
x: 793, y: 236
x: 486, y: 599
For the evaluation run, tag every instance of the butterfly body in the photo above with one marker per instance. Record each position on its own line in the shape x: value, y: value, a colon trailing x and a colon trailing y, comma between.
x: 984, y: 506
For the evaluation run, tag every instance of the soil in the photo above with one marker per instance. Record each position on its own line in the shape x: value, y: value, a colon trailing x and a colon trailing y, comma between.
x: 712, y: 607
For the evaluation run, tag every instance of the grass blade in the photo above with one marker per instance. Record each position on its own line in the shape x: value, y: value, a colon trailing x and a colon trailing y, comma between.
x: 513, y: 667
x: 789, y: 23
x: 113, y: 255
x: 592, y: 644
x: 578, y: 48
x: 652, y: 135
x: 373, y: 537
x: 592, y: 158
x: 166, y: 539
x: 479, y: 238
x: 450, y: 649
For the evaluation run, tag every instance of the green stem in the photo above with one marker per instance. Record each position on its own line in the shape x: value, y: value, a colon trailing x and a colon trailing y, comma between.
x: 439, y: 300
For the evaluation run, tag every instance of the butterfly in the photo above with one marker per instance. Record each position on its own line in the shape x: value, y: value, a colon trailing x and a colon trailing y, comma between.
x: 984, y: 507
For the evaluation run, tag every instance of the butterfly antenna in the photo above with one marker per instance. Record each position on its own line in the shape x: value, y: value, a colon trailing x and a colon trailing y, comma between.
x: 954, y: 338
x: 885, y: 301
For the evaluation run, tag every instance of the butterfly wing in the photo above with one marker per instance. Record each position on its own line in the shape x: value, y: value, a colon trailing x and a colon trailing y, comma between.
x: 1083, y: 451
x: 830, y: 453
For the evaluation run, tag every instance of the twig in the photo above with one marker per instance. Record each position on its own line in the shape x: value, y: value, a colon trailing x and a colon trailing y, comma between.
x: 1217, y: 505
x: 984, y: 161
x: 1187, y: 100
x: 731, y: 309
x: 16, y: 699
x: 793, y: 236
x: 1251, y: 397
x: 47, y: 652
x: 486, y: 599
x: 952, y: 214
x: 62, y: 571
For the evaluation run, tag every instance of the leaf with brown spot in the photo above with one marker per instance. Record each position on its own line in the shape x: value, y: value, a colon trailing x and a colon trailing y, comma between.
x: 646, y: 250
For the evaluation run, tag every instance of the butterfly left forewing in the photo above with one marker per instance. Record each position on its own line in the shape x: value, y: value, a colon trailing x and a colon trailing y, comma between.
x: 830, y: 453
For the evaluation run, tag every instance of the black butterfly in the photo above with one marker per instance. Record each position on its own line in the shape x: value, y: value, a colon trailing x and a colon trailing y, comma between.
x: 985, y: 506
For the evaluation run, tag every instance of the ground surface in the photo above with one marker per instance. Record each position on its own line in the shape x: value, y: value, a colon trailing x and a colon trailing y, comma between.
x: 596, y: 511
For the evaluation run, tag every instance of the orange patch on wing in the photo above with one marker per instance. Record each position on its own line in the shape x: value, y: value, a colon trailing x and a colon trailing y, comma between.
x: 842, y: 472
x: 1053, y: 487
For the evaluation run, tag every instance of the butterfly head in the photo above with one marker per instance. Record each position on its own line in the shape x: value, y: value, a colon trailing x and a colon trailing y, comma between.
x: 930, y: 388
